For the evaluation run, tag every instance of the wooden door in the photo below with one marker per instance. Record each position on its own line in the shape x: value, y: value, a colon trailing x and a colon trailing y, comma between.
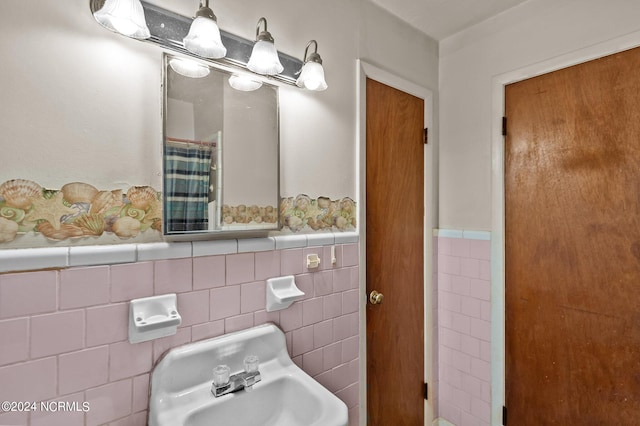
x: 394, y: 246
x: 572, y: 236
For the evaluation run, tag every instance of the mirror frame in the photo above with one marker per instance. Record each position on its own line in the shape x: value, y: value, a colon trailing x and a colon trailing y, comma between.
x: 221, y: 233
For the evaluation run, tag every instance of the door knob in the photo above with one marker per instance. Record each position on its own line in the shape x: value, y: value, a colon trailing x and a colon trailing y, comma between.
x: 376, y: 298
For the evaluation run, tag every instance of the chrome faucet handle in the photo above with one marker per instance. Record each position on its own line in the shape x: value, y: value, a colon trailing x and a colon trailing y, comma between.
x: 251, y: 373
x: 251, y: 363
x: 221, y: 380
x: 221, y: 375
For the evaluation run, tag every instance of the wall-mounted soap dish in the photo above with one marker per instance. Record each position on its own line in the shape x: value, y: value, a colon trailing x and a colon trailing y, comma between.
x: 153, y: 317
x: 282, y: 292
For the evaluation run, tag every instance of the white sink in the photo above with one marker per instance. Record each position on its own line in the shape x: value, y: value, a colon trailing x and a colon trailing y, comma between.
x: 285, y: 396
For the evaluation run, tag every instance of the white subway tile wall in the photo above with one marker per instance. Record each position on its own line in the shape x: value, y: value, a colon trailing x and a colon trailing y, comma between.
x: 63, y: 333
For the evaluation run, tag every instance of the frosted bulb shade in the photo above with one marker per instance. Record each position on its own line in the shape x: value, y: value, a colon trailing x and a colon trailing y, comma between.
x: 244, y: 83
x: 204, y: 39
x: 264, y: 59
x: 189, y: 68
x: 125, y: 17
x: 312, y: 77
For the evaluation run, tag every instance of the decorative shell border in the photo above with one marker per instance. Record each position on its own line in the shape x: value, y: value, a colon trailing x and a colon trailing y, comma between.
x: 77, y: 210
x: 80, y: 212
x: 243, y: 214
x: 305, y: 214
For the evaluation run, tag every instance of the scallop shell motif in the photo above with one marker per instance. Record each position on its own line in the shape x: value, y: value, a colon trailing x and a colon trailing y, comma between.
x: 20, y: 193
x: 104, y: 200
x: 65, y: 231
x: 141, y: 196
x: 91, y: 224
x: 79, y: 192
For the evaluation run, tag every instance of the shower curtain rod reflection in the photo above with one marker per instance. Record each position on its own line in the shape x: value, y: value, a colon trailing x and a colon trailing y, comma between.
x: 189, y: 141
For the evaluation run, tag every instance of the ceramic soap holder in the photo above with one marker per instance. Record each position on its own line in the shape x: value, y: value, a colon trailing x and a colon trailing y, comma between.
x: 282, y: 292
x: 153, y: 317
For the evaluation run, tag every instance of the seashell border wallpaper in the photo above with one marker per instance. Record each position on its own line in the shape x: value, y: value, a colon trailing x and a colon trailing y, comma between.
x: 306, y: 214
x: 79, y: 213
x: 33, y: 216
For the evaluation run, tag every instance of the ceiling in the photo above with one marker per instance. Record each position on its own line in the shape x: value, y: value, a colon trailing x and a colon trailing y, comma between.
x: 441, y: 18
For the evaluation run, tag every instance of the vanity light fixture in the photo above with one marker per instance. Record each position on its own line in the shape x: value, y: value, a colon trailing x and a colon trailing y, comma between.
x: 125, y: 17
x: 204, y: 35
x: 244, y: 83
x: 312, y: 73
x: 264, y: 57
x: 151, y: 23
x: 188, y: 68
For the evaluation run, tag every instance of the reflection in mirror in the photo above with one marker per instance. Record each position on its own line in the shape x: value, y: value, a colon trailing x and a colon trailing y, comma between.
x: 220, y: 152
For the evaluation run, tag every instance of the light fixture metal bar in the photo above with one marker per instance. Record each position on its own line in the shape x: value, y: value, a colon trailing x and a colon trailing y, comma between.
x: 168, y: 29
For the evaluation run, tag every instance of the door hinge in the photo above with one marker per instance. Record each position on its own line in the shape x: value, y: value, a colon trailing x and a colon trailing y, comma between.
x: 426, y: 135
x: 504, y: 415
x: 426, y: 391
x: 504, y: 126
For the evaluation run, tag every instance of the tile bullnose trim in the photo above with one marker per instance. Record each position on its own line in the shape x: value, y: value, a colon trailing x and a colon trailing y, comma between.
x: 347, y: 237
x: 161, y: 251
x: 28, y: 259
x: 321, y: 239
x: 214, y: 247
x: 256, y: 244
x: 290, y: 241
x: 102, y: 255
x: 461, y: 233
x: 33, y: 258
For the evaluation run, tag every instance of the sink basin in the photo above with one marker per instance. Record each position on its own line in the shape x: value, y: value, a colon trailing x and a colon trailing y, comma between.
x: 286, y: 395
x: 284, y: 401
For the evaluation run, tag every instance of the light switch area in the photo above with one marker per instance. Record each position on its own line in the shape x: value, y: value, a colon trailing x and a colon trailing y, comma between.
x: 313, y: 259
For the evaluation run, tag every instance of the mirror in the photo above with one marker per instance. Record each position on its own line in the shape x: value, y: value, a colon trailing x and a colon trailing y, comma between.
x: 221, y: 152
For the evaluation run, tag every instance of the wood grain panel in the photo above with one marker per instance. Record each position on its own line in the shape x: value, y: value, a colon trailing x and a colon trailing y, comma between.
x: 394, y: 246
x: 572, y: 236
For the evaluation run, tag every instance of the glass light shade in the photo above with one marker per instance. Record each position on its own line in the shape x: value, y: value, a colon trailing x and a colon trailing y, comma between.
x: 244, y: 83
x: 312, y: 77
x: 189, y: 68
x: 264, y: 59
x: 125, y: 17
x: 204, y: 39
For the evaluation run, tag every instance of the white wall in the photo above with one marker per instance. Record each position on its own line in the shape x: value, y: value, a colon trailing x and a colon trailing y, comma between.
x: 80, y: 103
x: 534, y: 32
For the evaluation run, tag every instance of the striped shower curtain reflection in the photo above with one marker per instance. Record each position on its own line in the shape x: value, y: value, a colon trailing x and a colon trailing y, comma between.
x: 186, y: 185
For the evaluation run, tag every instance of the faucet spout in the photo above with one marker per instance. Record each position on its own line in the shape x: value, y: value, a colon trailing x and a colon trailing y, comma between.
x: 249, y: 379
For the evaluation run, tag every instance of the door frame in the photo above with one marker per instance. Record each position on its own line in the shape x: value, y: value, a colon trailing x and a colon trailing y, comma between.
x: 366, y: 70
x: 629, y: 41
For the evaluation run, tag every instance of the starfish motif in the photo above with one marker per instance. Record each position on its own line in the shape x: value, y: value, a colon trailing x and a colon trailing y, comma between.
x: 49, y: 209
